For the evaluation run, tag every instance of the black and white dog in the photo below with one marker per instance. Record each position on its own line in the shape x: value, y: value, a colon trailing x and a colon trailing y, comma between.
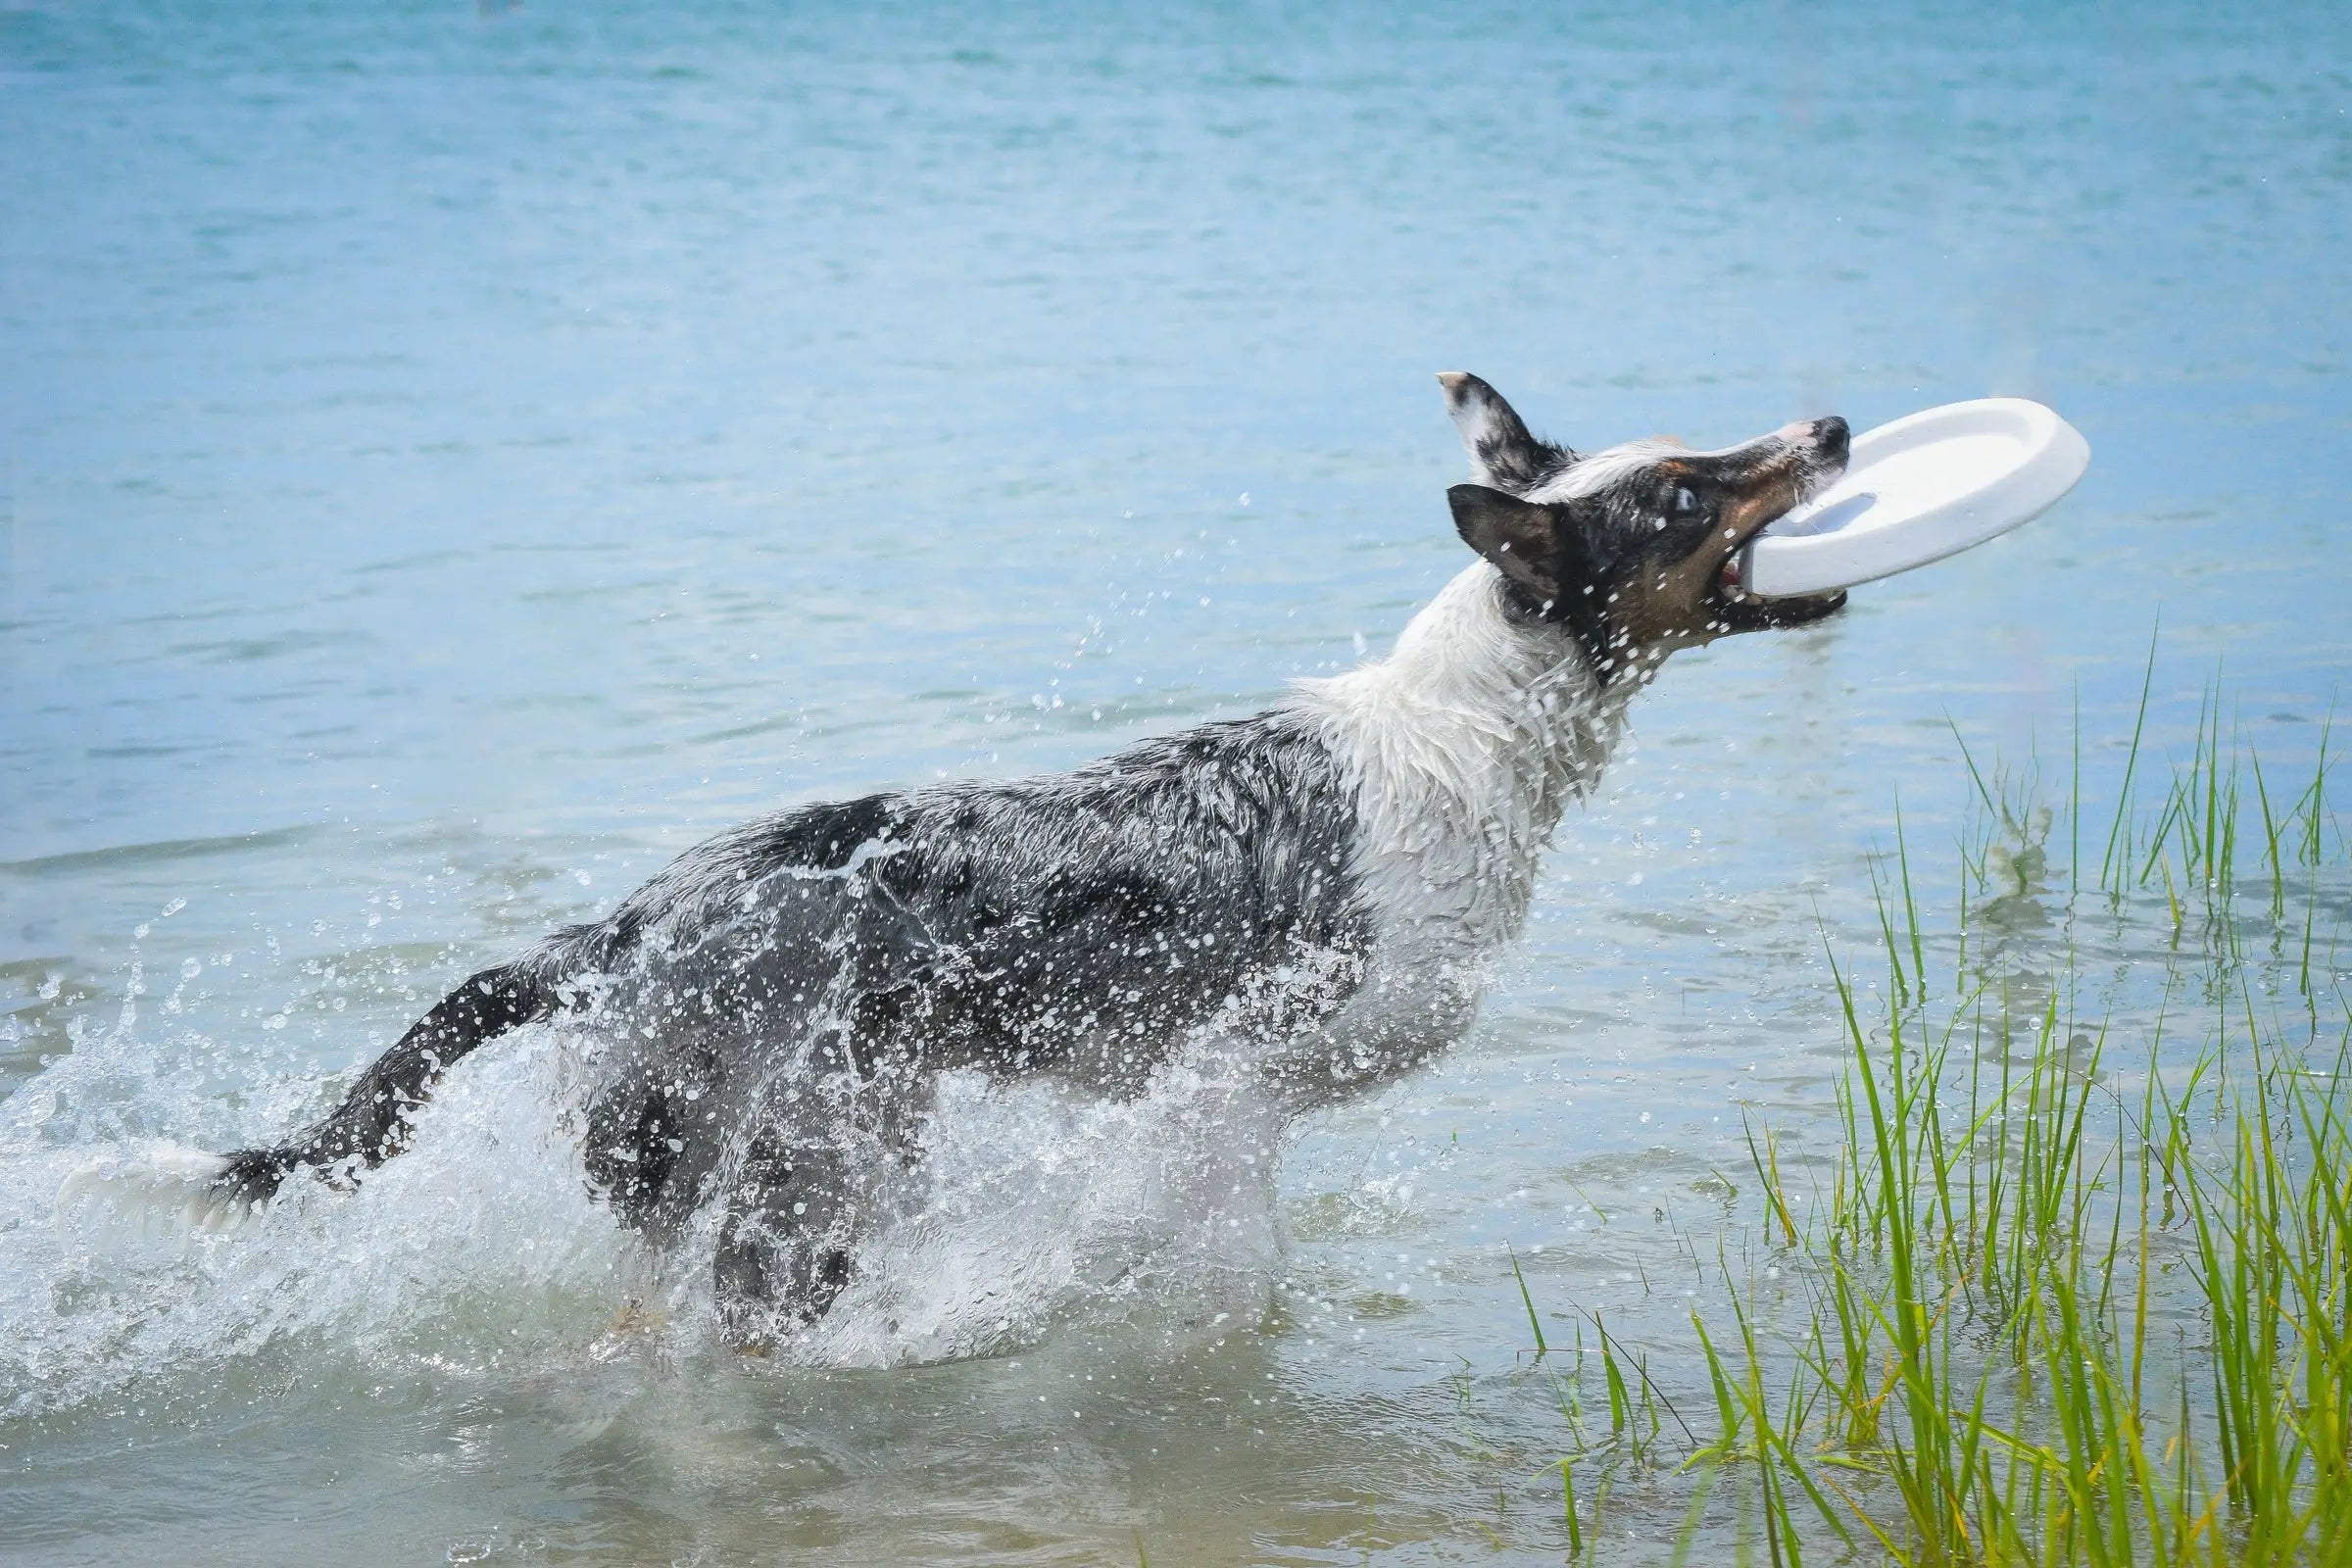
x: 1311, y: 891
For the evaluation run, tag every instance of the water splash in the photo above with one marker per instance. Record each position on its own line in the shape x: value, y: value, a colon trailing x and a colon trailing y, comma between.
x: 1042, y: 1206
x: 483, y: 1248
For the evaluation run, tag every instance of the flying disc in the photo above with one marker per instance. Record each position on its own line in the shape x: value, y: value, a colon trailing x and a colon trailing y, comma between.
x: 1923, y: 487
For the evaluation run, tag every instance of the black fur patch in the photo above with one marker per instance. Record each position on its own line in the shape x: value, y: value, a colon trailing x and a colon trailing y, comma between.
x: 795, y: 983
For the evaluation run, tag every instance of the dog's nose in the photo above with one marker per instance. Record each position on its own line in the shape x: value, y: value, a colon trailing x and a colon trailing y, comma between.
x: 1832, y: 436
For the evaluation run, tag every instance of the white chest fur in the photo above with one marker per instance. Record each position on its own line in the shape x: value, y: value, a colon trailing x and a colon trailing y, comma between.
x: 1465, y: 745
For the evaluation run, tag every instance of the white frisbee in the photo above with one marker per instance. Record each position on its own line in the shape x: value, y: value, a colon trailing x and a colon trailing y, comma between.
x: 1926, y: 486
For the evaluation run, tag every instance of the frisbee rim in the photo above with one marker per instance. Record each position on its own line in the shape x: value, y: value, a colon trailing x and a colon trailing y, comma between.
x: 2053, y: 456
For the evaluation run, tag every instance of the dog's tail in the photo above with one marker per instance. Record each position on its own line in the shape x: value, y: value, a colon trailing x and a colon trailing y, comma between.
x: 167, y: 1185
x: 154, y: 1192
x: 374, y: 1119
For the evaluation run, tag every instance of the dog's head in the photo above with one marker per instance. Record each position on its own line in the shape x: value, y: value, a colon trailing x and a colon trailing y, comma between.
x: 1632, y: 549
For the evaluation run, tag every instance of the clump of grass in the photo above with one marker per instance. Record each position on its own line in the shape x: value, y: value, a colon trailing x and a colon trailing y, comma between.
x: 1974, y: 1383
x: 1637, y: 1409
x: 2070, y: 1298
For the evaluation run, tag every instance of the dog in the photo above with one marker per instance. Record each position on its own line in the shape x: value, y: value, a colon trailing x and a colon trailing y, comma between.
x: 1311, y: 893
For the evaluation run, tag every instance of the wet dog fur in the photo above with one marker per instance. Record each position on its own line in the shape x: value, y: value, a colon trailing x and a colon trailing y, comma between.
x: 1306, y: 896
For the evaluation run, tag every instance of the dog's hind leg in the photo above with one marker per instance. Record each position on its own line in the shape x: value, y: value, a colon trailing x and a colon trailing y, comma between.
x: 784, y: 1243
x: 372, y: 1122
x: 808, y: 1184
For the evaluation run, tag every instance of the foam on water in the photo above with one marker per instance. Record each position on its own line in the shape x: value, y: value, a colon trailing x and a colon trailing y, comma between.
x: 483, y: 1247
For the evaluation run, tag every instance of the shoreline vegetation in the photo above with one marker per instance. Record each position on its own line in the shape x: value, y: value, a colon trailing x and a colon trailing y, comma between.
x: 2070, y: 1282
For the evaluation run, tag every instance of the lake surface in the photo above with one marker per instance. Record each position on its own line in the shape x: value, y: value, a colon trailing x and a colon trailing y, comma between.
x: 454, y: 461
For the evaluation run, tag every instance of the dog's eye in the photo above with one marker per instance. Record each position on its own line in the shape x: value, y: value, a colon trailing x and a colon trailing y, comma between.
x: 1684, y: 503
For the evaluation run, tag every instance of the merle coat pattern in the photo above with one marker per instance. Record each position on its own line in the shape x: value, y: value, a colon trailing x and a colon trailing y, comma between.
x: 1310, y: 892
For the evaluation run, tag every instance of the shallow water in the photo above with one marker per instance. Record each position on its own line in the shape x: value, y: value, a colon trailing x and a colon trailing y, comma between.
x: 456, y: 460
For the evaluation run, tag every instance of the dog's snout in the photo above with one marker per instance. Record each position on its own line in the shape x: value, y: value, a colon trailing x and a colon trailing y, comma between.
x: 1832, y: 436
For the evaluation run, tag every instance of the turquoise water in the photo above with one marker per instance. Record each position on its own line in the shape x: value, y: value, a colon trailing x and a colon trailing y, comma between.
x: 455, y: 460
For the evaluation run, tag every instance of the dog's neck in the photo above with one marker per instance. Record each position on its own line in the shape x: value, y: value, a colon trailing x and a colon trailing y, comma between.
x: 1465, y: 744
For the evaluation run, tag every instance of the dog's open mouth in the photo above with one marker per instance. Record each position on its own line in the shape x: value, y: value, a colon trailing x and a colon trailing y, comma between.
x: 1811, y: 477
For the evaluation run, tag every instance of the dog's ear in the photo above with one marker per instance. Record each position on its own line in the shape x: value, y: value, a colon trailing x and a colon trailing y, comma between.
x: 1503, y: 453
x: 1522, y: 539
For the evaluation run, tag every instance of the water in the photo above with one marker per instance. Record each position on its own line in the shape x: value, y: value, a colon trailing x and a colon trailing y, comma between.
x: 456, y: 460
